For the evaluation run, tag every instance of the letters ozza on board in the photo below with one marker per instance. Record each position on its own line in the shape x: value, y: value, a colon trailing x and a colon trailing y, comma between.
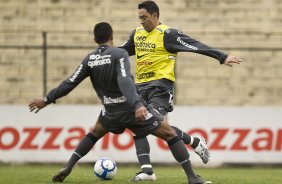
x: 219, y: 139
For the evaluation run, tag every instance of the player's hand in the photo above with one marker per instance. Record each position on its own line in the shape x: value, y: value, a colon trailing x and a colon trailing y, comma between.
x: 141, y: 114
x: 230, y: 60
x: 36, y: 104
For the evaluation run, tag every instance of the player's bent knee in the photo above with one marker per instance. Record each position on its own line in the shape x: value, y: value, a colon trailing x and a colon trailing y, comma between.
x: 166, y: 133
x: 172, y: 141
x: 98, y: 130
x: 169, y: 130
x: 170, y: 134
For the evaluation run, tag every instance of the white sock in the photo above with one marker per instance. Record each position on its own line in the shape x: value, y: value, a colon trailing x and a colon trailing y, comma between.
x: 192, y: 140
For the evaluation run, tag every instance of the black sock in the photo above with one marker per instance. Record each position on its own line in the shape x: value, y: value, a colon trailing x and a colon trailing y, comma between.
x: 182, y: 135
x: 84, y: 146
x: 181, y: 154
x: 143, y: 154
x: 195, y: 142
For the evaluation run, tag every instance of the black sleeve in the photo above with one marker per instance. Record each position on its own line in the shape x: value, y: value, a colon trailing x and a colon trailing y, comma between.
x: 129, y: 45
x: 125, y: 81
x: 70, y: 83
x: 175, y: 41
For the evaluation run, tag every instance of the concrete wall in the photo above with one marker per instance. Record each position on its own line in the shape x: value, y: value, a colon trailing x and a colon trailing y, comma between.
x: 250, y: 29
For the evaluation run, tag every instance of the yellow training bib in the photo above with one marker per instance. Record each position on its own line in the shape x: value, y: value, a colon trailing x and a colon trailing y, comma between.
x: 153, y: 61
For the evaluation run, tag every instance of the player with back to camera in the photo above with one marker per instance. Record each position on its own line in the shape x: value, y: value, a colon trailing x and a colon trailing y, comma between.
x: 156, y: 46
x: 109, y: 71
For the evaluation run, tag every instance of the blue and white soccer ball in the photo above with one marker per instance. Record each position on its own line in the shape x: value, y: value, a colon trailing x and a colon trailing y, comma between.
x: 105, y: 169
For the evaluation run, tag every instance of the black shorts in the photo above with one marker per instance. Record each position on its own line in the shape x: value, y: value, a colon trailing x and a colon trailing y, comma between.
x: 161, y: 98
x: 117, y: 122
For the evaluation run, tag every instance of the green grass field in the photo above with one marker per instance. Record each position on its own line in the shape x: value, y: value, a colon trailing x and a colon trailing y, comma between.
x: 83, y: 174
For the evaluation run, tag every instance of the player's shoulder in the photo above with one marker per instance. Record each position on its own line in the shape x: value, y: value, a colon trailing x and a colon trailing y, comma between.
x: 162, y: 28
x: 89, y: 56
x: 139, y: 28
x: 173, y: 30
x: 119, y: 51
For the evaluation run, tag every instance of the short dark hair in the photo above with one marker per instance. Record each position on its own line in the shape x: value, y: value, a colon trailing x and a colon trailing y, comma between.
x: 150, y: 6
x: 103, y: 32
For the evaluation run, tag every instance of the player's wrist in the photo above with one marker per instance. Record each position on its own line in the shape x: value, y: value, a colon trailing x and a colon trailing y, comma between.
x: 138, y: 104
x: 46, y: 101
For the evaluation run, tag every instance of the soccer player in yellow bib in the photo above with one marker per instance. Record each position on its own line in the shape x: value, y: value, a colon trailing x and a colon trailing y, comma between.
x: 156, y: 46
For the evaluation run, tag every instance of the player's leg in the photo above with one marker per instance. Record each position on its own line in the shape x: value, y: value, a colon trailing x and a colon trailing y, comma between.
x: 161, y: 99
x: 198, y: 143
x: 179, y: 151
x: 143, y: 154
x: 143, y: 151
x: 84, y: 146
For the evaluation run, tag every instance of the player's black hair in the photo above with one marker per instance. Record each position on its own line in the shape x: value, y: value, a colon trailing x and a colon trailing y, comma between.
x: 150, y: 6
x: 103, y: 32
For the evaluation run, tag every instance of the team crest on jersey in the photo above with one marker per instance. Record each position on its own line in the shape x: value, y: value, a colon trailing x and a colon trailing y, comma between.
x: 167, y: 31
x: 180, y: 32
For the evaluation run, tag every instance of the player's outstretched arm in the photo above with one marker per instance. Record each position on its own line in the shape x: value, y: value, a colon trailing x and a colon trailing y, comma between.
x: 176, y: 41
x: 230, y: 60
x: 37, y: 104
x: 63, y: 89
